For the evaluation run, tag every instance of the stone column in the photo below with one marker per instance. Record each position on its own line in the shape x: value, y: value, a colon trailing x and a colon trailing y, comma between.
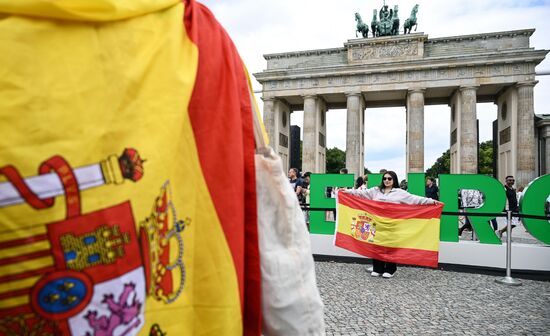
x: 309, y: 145
x: 354, y: 133
x: 468, y: 130
x: 270, y: 120
x: 415, y: 131
x: 526, y: 142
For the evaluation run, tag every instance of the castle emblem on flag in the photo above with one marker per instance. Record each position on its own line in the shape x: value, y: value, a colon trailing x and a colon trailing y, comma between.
x: 102, y: 246
x: 363, y: 227
x: 72, y: 270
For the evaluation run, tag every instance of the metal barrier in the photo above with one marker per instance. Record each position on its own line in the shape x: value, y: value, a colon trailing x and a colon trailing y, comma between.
x: 508, y: 279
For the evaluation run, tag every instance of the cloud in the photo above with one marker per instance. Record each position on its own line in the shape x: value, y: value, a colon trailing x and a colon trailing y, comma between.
x: 261, y: 27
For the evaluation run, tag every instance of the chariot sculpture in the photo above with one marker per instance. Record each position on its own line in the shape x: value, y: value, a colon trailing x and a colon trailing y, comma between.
x: 385, y: 22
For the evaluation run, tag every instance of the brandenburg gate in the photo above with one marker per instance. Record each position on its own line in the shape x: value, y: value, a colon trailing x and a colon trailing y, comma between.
x: 413, y: 71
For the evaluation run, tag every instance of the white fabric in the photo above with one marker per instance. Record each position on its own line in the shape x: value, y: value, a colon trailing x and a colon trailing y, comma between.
x: 395, y: 195
x: 471, y: 198
x: 291, y: 303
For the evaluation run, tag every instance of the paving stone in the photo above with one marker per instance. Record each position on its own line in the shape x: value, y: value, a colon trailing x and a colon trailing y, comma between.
x: 421, y: 301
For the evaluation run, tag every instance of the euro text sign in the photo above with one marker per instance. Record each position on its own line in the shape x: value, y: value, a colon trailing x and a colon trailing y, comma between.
x: 532, y: 203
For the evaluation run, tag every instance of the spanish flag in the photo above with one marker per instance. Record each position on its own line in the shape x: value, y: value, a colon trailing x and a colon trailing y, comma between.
x: 399, y: 233
x: 127, y: 175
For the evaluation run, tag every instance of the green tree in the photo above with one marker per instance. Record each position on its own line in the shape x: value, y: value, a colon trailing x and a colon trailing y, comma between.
x: 336, y: 159
x: 486, y: 157
x: 441, y: 166
x: 443, y: 163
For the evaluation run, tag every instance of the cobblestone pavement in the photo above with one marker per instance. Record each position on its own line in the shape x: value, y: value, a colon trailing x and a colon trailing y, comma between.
x: 519, y: 235
x: 421, y: 301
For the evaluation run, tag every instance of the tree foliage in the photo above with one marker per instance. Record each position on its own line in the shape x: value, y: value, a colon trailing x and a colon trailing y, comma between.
x: 441, y: 166
x: 443, y: 163
x: 336, y: 159
x: 486, y: 157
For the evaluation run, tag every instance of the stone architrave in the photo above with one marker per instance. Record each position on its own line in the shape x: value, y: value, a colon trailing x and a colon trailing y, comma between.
x: 468, y: 130
x: 526, y: 151
x: 355, y: 126
x: 415, y: 131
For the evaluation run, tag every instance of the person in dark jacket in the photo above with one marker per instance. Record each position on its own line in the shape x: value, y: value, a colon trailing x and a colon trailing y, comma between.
x: 432, y: 191
x: 512, y: 199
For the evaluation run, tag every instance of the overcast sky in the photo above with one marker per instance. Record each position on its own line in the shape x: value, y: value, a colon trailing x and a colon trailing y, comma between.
x: 260, y: 27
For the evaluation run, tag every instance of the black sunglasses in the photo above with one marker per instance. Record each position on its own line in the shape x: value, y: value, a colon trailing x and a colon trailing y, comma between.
x: 388, y: 178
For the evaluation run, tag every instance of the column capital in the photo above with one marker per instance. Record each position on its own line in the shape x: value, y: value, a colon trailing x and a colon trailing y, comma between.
x: 353, y: 93
x: 526, y: 83
x: 416, y: 90
x: 306, y: 96
x: 468, y: 87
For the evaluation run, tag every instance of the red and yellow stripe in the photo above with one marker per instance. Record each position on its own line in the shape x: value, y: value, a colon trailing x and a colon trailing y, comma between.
x: 221, y: 116
x: 403, y: 233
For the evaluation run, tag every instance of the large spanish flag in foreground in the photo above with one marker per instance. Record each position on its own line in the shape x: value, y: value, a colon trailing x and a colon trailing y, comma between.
x: 400, y: 233
x: 127, y: 175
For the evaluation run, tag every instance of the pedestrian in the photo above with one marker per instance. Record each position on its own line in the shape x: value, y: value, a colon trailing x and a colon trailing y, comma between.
x: 512, y: 200
x: 432, y: 190
x: 343, y: 171
x: 305, y: 196
x: 388, y: 191
x: 359, y: 182
x: 295, y: 181
x: 305, y: 186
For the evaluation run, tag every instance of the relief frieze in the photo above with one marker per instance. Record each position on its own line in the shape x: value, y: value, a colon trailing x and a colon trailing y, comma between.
x: 364, y: 53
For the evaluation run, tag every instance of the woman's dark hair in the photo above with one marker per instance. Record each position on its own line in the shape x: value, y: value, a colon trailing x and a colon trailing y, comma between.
x: 359, y: 182
x: 394, y: 179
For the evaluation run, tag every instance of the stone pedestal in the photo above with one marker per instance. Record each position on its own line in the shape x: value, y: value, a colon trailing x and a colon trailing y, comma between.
x: 415, y: 131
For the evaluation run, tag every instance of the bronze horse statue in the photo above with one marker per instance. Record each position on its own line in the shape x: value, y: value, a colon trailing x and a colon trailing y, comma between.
x: 374, y: 24
x: 395, y: 21
x: 411, y: 21
x: 361, y: 26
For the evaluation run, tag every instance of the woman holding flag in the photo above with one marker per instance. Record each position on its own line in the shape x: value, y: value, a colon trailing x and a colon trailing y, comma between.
x: 389, y: 191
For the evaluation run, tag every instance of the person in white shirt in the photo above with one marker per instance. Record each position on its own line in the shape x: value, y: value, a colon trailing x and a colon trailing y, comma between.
x: 388, y: 191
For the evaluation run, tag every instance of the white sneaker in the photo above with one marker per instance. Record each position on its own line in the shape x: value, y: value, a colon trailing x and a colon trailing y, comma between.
x: 387, y: 275
x: 374, y: 274
x: 369, y: 268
